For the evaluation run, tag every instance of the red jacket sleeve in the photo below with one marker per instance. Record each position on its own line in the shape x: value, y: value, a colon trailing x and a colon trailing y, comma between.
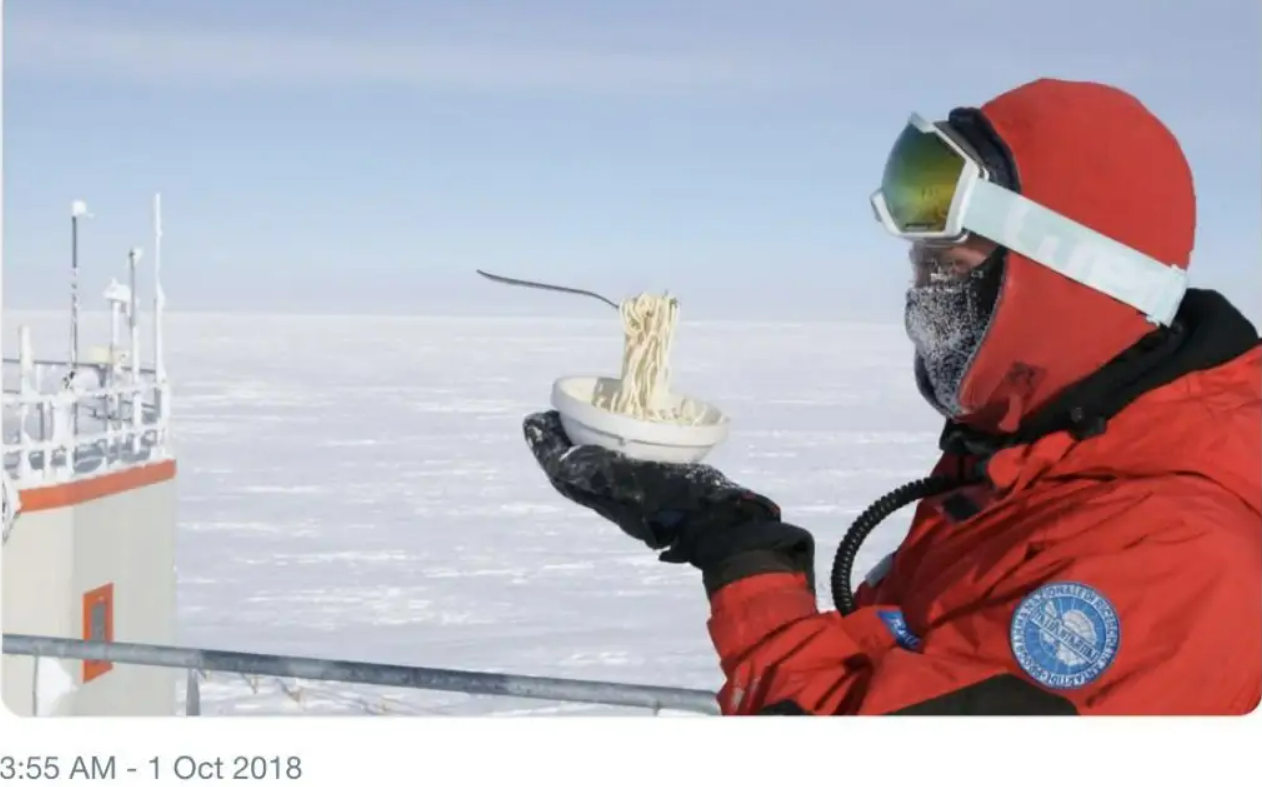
x: 780, y: 654
x: 1167, y: 626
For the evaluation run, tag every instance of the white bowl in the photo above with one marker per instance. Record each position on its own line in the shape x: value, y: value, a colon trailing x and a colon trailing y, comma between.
x: 587, y: 424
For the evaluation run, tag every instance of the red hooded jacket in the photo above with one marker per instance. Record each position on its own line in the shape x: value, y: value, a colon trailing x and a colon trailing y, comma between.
x: 1109, y: 561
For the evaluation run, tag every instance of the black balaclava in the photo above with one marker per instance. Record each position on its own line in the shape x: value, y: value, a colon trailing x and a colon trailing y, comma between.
x: 947, y: 320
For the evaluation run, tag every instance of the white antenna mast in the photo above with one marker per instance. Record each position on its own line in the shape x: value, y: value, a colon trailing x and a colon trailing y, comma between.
x: 159, y: 297
x: 78, y: 210
x: 133, y: 323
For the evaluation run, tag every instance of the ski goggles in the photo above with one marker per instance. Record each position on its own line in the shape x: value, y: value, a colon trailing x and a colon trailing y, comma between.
x: 935, y: 190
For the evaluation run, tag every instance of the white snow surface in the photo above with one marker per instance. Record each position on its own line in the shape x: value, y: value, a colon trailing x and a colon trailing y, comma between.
x: 358, y: 488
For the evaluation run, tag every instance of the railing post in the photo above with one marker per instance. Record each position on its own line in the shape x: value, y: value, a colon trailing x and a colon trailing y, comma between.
x: 193, y: 695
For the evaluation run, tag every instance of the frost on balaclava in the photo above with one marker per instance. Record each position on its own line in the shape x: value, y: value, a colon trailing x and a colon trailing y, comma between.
x: 947, y: 319
x: 946, y: 322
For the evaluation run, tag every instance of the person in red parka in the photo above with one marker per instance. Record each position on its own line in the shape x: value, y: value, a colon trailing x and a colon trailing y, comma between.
x: 1090, y: 541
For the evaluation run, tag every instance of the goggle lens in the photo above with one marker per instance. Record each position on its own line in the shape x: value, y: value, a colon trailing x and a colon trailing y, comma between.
x: 921, y: 176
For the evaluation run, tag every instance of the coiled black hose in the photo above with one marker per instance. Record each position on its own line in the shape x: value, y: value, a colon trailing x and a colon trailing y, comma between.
x: 848, y: 549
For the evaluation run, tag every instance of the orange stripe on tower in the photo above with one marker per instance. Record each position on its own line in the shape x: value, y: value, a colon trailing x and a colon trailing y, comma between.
x: 76, y: 492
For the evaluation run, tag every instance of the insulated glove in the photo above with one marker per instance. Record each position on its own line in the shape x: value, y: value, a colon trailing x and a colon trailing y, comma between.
x: 693, y: 512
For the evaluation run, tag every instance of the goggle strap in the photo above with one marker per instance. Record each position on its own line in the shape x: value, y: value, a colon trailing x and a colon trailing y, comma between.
x: 1076, y: 252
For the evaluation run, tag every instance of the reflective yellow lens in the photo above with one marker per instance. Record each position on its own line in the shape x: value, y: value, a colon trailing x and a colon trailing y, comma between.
x: 921, y: 176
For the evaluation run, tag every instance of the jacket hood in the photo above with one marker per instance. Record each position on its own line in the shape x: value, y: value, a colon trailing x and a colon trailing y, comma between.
x: 1096, y: 155
x: 1186, y: 401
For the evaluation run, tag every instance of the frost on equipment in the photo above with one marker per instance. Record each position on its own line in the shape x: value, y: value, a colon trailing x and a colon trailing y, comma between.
x: 89, y: 524
x: 89, y: 487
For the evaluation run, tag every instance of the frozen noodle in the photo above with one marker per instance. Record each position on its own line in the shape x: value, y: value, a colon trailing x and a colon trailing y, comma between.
x: 648, y: 322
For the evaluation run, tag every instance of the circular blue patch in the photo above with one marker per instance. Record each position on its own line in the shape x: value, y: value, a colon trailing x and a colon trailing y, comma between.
x: 1064, y: 635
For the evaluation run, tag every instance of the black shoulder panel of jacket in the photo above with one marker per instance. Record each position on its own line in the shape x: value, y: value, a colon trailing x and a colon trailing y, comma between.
x: 1002, y: 695
x: 782, y: 708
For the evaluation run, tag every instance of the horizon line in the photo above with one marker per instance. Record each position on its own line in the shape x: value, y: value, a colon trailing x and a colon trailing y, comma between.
x: 470, y: 316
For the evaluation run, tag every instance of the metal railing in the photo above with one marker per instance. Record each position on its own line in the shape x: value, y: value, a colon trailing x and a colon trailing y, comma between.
x: 99, y: 409
x: 496, y: 684
x: 62, y: 423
